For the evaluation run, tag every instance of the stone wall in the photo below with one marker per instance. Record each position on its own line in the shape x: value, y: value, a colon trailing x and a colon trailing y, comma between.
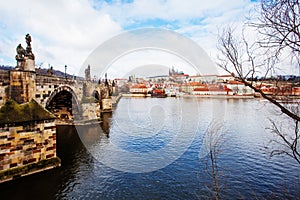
x: 28, y: 143
x: 90, y: 111
x: 4, y: 86
x: 3, y: 94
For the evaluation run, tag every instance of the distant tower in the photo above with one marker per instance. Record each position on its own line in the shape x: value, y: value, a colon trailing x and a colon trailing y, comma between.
x: 173, y: 71
x: 22, y: 79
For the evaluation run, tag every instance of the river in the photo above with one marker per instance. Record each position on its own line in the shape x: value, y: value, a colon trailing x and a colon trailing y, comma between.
x: 155, y: 148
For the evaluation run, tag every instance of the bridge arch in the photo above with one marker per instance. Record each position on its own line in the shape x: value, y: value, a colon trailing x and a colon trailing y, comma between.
x: 63, y: 102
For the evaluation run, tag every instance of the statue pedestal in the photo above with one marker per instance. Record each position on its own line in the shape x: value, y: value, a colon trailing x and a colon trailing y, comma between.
x: 22, y: 85
x: 20, y: 64
x: 29, y: 65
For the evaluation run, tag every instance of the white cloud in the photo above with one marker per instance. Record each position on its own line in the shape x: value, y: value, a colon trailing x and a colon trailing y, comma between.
x: 66, y: 32
x: 170, y: 9
x: 63, y: 32
x: 206, y: 34
x: 199, y: 20
x: 145, y: 58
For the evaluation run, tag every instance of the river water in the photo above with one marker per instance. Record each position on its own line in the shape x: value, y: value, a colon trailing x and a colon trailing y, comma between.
x: 156, y: 148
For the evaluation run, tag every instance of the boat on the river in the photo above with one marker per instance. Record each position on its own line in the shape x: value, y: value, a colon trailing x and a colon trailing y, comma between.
x: 159, y: 93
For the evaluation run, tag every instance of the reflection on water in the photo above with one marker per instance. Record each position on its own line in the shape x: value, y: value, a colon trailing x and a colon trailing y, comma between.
x: 247, y: 170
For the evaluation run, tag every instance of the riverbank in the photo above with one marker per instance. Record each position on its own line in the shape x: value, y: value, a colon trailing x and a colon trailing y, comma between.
x: 196, y: 96
x: 136, y: 95
x: 218, y: 96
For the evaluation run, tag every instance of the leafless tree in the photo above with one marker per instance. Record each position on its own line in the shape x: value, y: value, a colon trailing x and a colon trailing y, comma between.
x: 278, y: 27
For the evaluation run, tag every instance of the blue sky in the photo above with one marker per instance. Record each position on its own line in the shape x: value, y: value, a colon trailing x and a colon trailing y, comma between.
x: 66, y: 32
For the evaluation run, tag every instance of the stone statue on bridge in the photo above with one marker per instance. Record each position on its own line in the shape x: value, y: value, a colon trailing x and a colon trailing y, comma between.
x: 20, y: 57
x: 28, y: 40
x: 29, y: 53
x: 20, y: 52
x: 25, y: 58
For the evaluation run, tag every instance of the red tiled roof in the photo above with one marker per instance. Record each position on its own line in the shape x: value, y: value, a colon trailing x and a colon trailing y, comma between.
x: 235, y: 82
x: 201, y: 89
x: 138, y: 86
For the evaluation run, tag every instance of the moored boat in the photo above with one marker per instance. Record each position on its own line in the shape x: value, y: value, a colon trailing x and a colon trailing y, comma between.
x: 159, y: 93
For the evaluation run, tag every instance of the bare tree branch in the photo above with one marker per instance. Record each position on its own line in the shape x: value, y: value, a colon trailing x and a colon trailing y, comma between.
x: 279, y: 24
x: 279, y: 28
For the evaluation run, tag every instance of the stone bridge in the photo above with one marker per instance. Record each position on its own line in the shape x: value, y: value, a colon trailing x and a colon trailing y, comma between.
x: 67, y: 98
x: 27, y: 130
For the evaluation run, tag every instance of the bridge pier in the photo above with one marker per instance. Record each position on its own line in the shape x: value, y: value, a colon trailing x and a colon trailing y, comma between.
x: 27, y: 140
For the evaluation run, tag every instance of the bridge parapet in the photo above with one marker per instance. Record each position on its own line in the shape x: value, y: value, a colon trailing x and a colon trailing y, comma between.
x: 47, y: 85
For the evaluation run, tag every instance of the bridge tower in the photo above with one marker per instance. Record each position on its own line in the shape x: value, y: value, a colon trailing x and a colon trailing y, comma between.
x: 22, y: 79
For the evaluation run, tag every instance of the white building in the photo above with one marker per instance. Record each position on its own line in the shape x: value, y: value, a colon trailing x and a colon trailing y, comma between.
x: 239, y: 88
x: 138, y: 89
